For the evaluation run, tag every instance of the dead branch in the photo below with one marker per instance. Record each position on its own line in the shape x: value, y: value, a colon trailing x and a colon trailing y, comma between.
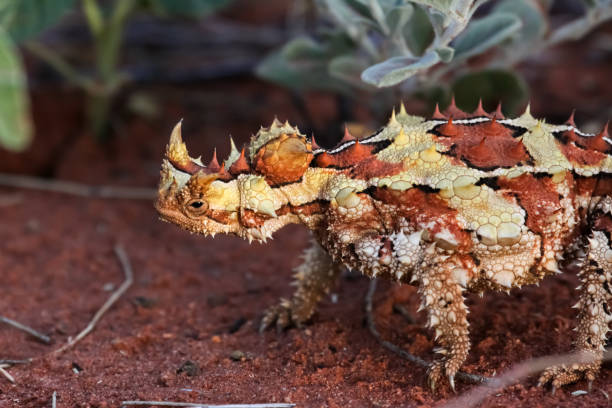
x: 6, y: 373
x: 10, y: 200
x: 15, y: 362
x: 39, y: 336
x: 471, y: 378
x: 76, y: 189
x: 196, y: 405
x: 520, y: 371
x: 129, y: 278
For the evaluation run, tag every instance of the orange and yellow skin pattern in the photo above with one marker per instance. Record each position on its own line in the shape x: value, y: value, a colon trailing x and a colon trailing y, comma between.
x: 458, y: 202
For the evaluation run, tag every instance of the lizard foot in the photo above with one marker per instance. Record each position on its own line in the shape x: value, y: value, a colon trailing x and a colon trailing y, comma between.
x: 283, y: 315
x: 436, y: 372
x: 560, y: 375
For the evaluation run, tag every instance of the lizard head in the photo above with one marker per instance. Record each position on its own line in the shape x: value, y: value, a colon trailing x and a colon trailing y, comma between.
x: 231, y: 198
x: 198, y: 198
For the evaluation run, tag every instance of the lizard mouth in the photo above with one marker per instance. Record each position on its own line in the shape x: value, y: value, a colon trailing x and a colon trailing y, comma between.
x: 166, y: 214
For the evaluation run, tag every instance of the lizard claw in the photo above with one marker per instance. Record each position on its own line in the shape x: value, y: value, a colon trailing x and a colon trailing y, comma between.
x: 279, y: 314
x: 560, y: 375
x: 283, y: 314
x: 434, y: 374
x: 553, y: 390
x: 451, y: 381
x: 432, y: 384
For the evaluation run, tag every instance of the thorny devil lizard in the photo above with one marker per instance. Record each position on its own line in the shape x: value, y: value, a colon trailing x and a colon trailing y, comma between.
x: 459, y: 202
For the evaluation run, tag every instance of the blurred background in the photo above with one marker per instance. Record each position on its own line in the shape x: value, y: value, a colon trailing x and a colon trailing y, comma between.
x: 90, y: 89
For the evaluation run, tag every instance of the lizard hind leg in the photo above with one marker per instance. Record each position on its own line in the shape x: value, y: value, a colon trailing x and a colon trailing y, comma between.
x: 595, y: 294
x: 443, y: 299
x: 314, y: 278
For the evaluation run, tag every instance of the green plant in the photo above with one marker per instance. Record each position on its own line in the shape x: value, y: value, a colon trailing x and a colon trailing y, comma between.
x: 21, y: 21
x: 420, y: 45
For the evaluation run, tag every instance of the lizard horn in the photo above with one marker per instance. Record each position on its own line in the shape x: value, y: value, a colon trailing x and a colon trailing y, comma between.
x: 177, y: 154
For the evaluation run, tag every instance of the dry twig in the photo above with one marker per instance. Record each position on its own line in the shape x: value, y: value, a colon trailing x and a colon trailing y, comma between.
x: 39, y: 336
x: 129, y: 278
x: 522, y: 370
x: 196, y: 405
x: 471, y: 378
x: 6, y: 373
x: 54, y: 400
x: 8, y: 200
x: 77, y: 189
x: 15, y: 362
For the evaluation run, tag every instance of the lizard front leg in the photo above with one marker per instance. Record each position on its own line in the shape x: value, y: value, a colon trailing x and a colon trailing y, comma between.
x: 443, y: 300
x: 593, y: 314
x: 439, y: 278
x: 314, y: 278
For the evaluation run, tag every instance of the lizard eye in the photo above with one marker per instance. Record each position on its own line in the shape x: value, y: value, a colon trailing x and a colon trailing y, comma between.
x: 197, y: 207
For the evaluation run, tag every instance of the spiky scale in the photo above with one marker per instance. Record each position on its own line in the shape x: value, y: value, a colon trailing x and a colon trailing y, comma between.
x: 241, y: 165
x: 570, y: 121
x: 449, y: 129
x: 347, y: 137
x: 453, y: 111
x: 214, y: 163
x: 498, y: 112
x: 437, y: 114
x: 479, y: 110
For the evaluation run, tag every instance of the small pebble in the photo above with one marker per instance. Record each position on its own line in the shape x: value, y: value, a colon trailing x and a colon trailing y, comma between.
x: 190, y: 368
x: 238, y: 323
x: 237, y: 355
x: 143, y: 301
x: 165, y: 379
x: 32, y: 225
x: 579, y: 392
x: 216, y: 299
x: 216, y: 339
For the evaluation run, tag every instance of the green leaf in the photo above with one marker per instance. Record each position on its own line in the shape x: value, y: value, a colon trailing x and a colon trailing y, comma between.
x: 187, y: 8
x: 532, y: 19
x: 303, y: 64
x: 25, y: 18
x: 303, y: 48
x: 418, y: 33
x: 348, y: 68
x: 359, y: 6
x: 397, y: 17
x: 397, y: 69
x: 445, y: 53
x: 15, y: 122
x: 352, y: 15
x: 493, y: 86
x: 379, y: 16
x: 485, y: 33
x: 442, y: 5
x: 275, y: 68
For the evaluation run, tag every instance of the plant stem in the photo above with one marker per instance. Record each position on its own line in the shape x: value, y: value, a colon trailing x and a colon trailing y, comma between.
x: 94, y: 16
x: 109, y: 41
x: 107, y: 34
x: 60, y: 65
